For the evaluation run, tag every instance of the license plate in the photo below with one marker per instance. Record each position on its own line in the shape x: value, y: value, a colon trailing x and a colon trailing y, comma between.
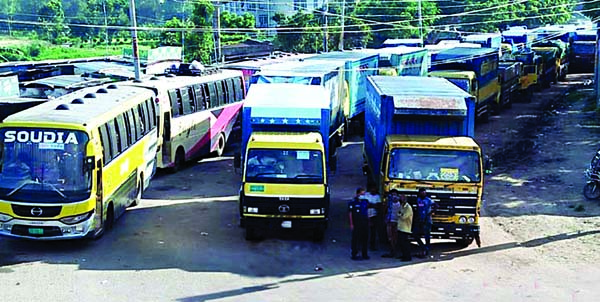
x: 36, y: 231
x: 286, y: 224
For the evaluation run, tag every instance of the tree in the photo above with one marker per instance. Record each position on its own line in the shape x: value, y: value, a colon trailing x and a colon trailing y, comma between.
x: 396, y: 19
x: 53, y: 17
x: 200, y: 41
x: 173, y: 38
x: 231, y: 20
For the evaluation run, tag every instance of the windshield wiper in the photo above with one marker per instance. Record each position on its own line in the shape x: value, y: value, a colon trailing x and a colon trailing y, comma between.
x: 265, y: 173
x: 36, y: 182
x: 308, y: 176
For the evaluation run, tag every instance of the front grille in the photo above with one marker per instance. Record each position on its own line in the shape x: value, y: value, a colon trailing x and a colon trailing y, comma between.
x: 451, y: 204
x: 36, y: 211
x: 46, y: 231
x: 295, y: 206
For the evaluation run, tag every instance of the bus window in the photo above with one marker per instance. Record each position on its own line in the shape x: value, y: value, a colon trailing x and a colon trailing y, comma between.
x: 133, y: 131
x: 191, y: 99
x: 174, y: 105
x: 239, y: 89
x: 185, y: 100
x: 151, y: 113
x: 115, y: 140
x: 123, y: 132
x: 142, y: 119
x: 146, y: 115
x: 222, y: 93
x: 137, y: 121
x: 105, y: 143
x: 212, y: 93
x: 231, y: 98
x: 200, y: 98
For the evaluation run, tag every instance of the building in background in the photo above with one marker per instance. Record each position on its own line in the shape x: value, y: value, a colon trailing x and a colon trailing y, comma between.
x: 264, y: 10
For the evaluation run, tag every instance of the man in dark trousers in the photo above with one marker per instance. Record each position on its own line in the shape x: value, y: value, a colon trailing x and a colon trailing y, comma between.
x: 425, y: 209
x: 359, y: 224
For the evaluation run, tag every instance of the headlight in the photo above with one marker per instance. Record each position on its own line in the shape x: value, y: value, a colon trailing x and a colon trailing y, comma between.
x: 5, y: 218
x: 252, y: 210
x: 471, y: 219
x: 462, y: 219
x: 75, y: 219
x: 315, y: 211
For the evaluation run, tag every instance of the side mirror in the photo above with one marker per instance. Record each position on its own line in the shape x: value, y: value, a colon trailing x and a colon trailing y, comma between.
x: 487, y: 165
x: 237, y: 161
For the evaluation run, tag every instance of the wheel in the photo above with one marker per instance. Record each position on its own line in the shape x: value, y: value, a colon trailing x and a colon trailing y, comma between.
x: 318, y: 234
x: 529, y: 95
x: 110, y: 218
x: 138, y: 192
x: 251, y: 234
x: 591, y: 190
x: 220, y: 145
x: 179, y: 161
x: 464, y: 242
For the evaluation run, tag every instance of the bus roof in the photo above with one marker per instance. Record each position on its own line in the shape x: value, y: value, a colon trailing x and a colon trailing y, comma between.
x: 87, y: 107
x: 306, y: 68
x: 67, y: 81
x: 260, y: 62
x: 287, y: 95
x: 342, y: 56
x: 176, y: 81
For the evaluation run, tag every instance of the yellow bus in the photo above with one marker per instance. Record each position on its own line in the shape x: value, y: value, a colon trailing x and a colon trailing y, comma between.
x: 197, y: 113
x: 70, y: 167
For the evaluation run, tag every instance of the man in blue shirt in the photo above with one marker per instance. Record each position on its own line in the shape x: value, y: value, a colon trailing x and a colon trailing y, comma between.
x: 423, y: 221
x: 359, y: 224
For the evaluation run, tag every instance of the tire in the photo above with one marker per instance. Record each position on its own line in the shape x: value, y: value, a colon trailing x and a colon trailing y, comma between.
x: 251, y: 234
x: 591, y: 190
x: 220, y: 145
x: 464, y: 242
x: 138, y: 192
x: 318, y: 234
x: 179, y: 161
x: 109, y: 223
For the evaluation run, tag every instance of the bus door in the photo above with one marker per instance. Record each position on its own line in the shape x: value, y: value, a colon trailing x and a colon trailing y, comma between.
x: 99, y: 195
x: 167, y: 139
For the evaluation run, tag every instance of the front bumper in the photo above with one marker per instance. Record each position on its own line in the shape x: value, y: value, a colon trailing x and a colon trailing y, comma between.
x: 46, y: 229
x: 454, y: 231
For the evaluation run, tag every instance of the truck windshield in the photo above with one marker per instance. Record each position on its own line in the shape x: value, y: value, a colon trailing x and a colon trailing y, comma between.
x: 284, y: 166
x: 462, y: 83
x: 432, y: 164
x: 43, y: 165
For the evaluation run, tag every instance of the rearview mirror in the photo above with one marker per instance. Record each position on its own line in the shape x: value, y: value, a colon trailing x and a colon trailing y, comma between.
x: 487, y: 165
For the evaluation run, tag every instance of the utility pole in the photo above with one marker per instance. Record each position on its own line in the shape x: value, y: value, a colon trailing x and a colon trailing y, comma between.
x: 134, y: 42
x: 341, y: 46
x: 105, y: 26
x: 325, y: 48
x: 597, y: 71
x: 420, y: 22
x: 183, y: 32
x: 218, y: 54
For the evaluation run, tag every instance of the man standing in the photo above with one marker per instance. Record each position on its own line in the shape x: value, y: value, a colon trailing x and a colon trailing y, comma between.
x: 391, y: 220
x: 404, y: 228
x: 374, y: 221
x: 425, y: 207
x: 359, y: 224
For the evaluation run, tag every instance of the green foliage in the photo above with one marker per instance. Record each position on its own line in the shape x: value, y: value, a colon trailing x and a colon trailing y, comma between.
x: 491, y: 15
x: 397, y: 19
x: 200, y: 43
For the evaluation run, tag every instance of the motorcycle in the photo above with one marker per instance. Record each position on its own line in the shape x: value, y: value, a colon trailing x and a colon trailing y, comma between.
x: 591, y: 190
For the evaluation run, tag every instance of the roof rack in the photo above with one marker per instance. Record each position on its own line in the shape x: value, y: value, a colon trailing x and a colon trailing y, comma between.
x: 186, y: 69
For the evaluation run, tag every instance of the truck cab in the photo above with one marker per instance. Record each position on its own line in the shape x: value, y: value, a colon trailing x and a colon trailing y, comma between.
x: 285, y: 159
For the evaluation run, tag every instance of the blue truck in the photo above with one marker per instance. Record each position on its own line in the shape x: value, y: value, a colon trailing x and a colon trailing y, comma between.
x: 419, y: 133
x: 475, y: 70
x: 583, y: 51
x: 284, y: 159
x: 357, y: 66
x: 312, y: 73
x: 485, y: 40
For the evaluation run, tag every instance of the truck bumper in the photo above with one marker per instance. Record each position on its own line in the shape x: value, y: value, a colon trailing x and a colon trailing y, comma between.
x: 454, y: 231
x: 280, y: 223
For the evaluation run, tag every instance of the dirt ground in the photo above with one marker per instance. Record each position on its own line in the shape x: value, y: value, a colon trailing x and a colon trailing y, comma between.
x: 540, y: 151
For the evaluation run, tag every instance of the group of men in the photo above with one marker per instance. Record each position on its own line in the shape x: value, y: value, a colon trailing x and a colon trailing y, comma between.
x: 367, y: 212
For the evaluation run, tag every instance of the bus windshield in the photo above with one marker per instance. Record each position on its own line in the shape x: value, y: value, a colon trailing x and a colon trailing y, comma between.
x: 43, y: 165
x: 284, y: 166
x: 433, y: 164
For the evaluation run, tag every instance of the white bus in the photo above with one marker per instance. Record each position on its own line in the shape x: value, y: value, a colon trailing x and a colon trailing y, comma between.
x: 197, y: 113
